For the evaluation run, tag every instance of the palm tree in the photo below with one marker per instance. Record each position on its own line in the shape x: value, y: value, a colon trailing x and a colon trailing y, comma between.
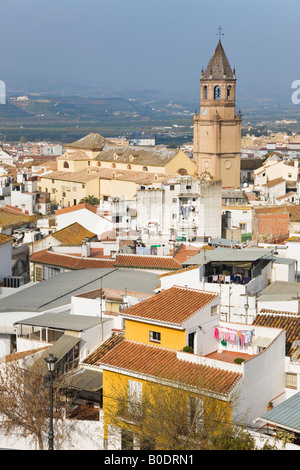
x: 92, y: 200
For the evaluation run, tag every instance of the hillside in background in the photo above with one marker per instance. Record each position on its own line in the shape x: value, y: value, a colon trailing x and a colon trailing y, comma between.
x: 65, y: 113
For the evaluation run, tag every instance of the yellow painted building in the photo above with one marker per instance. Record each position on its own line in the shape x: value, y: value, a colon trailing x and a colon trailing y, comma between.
x: 95, y: 166
x: 94, y: 150
x: 68, y: 188
x: 148, y: 379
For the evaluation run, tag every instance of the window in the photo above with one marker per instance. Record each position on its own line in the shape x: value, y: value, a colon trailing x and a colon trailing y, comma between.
x: 217, y: 93
x: 113, y: 165
x: 38, y: 273
x: 228, y: 92
x: 172, y: 187
x: 155, y: 336
x: 291, y: 380
x: 174, y: 199
x: 214, y: 310
x: 66, y: 165
x: 205, y: 92
x: 129, y: 167
x: 145, y: 168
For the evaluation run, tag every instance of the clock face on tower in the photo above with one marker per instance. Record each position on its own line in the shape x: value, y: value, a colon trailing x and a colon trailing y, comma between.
x: 204, y: 112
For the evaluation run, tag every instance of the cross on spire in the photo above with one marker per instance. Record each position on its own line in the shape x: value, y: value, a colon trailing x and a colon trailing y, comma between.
x: 220, y: 32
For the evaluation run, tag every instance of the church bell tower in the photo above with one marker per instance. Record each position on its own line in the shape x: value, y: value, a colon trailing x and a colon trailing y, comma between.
x: 217, y: 128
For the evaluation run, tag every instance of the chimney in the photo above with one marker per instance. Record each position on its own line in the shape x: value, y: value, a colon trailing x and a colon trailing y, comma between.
x: 85, y: 248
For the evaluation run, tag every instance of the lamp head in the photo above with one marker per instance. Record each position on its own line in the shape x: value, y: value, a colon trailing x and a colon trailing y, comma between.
x: 51, y: 361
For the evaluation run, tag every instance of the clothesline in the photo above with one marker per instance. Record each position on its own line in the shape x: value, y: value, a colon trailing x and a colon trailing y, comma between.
x: 238, y: 337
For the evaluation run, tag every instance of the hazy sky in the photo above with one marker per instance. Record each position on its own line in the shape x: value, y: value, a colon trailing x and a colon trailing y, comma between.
x: 152, y: 44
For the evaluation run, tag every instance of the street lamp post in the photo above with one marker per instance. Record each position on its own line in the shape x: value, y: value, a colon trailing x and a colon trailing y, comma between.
x: 51, y: 361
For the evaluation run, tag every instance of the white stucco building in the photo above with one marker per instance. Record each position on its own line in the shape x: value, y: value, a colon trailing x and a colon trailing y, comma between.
x: 182, y: 207
x: 86, y: 215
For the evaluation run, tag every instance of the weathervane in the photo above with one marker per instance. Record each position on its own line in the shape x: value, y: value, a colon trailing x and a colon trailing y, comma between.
x: 220, y: 32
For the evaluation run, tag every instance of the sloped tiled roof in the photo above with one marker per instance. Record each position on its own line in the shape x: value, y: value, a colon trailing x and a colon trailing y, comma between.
x: 147, y: 261
x: 162, y: 363
x: 95, y: 357
x: 174, y: 305
x: 92, y: 141
x: 185, y: 252
x: 91, y: 173
x: 218, y: 66
x: 288, y: 321
x: 77, y: 207
x: 149, y: 156
x: 70, y: 262
x: 11, y: 218
x: 73, y: 234
x: 5, y: 238
x: 274, y: 182
x: 79, y: 155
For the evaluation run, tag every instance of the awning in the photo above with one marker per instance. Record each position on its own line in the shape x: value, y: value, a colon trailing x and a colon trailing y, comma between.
x: 85, y: 379
x: 63, y: 345
x: 262, y: 342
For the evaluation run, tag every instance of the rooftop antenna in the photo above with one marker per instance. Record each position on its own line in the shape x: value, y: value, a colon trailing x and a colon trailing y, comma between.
x: 220, y: 32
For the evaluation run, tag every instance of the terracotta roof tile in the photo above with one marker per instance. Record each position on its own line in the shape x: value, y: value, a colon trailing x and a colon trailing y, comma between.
x: 66, y: 261
x: 185, y: 252
x: 95, y: 357
x: 174, y: 305
x: 290, y: 322
x: 274, y: 182
x: 91, y: 173
x: 145, y: 261
x: 78, y: 207
x: 162, y: 363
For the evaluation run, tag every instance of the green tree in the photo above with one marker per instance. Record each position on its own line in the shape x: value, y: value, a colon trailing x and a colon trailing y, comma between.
x: 90, y: 199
